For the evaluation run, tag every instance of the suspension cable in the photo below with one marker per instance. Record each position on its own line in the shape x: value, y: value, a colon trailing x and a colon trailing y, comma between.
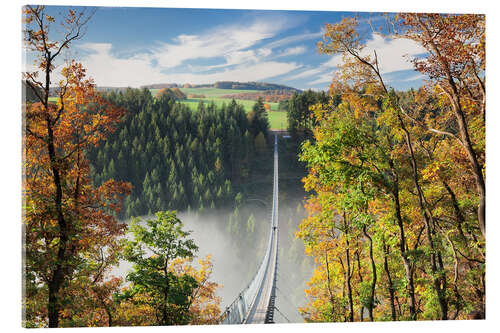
x: 290, y: 302
x: 282, y: 314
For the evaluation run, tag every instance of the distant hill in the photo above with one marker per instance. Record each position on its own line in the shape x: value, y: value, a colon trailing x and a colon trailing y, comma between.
x: 225, y: 85
x: 260, y: 86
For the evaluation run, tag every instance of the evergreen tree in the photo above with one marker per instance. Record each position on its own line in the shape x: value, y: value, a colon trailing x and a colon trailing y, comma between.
x: 161, y: 146
x: 257, y: 118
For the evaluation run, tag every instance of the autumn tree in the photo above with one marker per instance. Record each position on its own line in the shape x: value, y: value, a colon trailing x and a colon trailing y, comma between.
x: 381, y: 170
x: 204, y: 304
x: 66, y: 219
x: 455, y: 64
x: 133, y: 308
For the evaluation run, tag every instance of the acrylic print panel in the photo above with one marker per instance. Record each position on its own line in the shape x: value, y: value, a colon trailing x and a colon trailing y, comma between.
x: 226, y: 166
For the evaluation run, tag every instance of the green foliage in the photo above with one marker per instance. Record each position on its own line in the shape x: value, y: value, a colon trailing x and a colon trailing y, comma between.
x: 153, y: 248
x: 257, y: 118
x: 298, y: 113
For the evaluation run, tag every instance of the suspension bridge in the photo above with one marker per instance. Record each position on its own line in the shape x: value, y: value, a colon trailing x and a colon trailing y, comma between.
x: 256, y: 302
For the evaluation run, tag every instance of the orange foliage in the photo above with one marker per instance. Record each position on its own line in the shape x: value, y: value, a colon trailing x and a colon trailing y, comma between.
x: 67, y: 221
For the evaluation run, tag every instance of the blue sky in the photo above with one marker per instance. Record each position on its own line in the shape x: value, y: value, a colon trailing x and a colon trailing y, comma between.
x: 137, y: 46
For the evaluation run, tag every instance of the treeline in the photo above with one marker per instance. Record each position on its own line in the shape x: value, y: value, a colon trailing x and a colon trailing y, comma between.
x: 396, y: 214
x: 175, y: 158
x: 224, y: 85
x: 272, y: 96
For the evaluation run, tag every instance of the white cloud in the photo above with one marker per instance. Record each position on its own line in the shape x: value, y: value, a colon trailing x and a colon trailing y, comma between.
x: 305, y: 73
x: 393, y: 55
x: 412, y: 77
x: 292, y: 51
x: 256, y: 72
x: 334, y: 61
x: 239, y: 57
x: 233, y: 58
x: 108, y: 70
x: 294, y: 38
x: 323, y: 78
x: 224, y: 41
x: 264, y: 52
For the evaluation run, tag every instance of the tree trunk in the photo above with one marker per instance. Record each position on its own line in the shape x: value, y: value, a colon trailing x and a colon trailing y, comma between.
x: 439, y: 278
x: 348, y: 273
x: 402, y: 249
x: 361, y: 308
x: 330, y: 293
x: 389, y: 280
x: 454, y: 98
x: 374, y: 275
x: 458, y: 298
x: 477, y: 168
x: 166, y: 291
x: 458, y: 213
x: 58, y: 274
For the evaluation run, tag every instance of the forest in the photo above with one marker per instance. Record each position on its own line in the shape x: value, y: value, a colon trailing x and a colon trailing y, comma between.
x: 382, y: 191
x: 396, y: 215
x: 178, y: 159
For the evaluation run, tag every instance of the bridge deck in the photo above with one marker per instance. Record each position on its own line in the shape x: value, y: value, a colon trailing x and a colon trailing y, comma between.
x: 255, y: 304
x: 261, y: 306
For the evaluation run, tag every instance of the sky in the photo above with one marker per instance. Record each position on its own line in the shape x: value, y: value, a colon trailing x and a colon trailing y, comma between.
x: 126, y: 46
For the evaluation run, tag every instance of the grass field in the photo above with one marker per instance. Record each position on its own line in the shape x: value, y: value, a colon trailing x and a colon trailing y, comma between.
x: 193, y: 102
x: 277, y: 119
